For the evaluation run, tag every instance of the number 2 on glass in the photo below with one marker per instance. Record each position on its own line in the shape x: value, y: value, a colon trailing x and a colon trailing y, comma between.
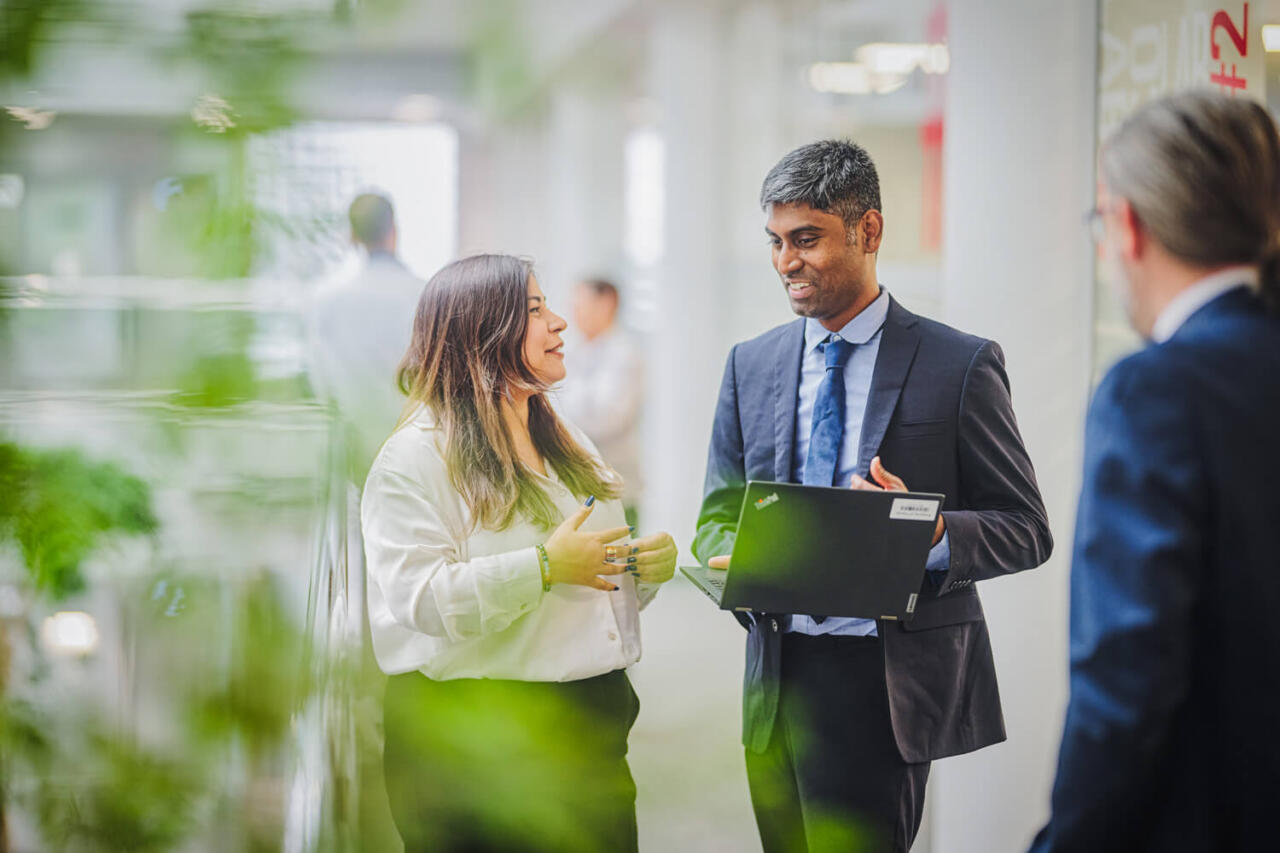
x: 1221, y: 20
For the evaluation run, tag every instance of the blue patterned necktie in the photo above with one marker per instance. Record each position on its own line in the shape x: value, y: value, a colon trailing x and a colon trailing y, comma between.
x: 827, y: 434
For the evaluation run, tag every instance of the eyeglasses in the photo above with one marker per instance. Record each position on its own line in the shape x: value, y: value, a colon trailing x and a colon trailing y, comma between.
x: 1093, y: 220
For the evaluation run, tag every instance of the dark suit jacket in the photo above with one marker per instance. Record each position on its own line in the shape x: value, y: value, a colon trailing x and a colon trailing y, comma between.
x: 1170, y: 741
x: 940, y: 417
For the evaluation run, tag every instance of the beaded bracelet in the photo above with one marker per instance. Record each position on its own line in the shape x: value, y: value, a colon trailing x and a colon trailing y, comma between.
x: 544, y: 566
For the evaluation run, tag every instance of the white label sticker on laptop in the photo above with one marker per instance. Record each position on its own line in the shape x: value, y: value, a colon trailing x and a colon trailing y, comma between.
x: 913, y: 509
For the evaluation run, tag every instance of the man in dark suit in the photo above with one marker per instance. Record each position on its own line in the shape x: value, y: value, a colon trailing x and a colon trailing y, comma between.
x: 842, y: 716
x: 1170, y: 742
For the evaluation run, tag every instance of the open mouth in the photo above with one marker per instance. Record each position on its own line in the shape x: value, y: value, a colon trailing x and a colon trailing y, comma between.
x: 556, y: 350
x: 800, y: 289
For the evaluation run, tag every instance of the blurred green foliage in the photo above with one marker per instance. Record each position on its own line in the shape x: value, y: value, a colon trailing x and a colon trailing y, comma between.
x: 499, y: 63
x: 112, y: 794
x: 212, y: 220
x: 26, y: 26
x: 217, y: 660
x: 218, y: 380
x: 59, y: 506
x: 252, y: 57
x: 251, y: 692
x: 95, y: 784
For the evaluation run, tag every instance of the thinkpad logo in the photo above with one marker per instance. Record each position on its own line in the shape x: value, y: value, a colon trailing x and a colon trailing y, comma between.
x: 766, y: 501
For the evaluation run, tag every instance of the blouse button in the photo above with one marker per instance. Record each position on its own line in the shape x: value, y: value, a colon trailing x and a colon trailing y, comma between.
x: 613, y: 636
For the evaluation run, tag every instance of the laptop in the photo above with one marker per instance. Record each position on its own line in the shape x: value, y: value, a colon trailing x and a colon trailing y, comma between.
x: 825, y: 551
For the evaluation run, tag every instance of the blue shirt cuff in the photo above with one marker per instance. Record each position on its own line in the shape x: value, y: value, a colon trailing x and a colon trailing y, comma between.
x: 940, y: 555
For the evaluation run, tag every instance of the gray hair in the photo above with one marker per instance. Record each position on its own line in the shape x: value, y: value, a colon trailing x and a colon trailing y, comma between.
x: 1202, y: 172
x: 832, y: 175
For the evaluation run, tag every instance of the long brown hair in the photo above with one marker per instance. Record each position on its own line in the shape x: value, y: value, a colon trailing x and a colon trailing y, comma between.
x: 465, y: 358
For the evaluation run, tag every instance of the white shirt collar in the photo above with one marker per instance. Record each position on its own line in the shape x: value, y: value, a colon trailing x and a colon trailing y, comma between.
x: 1198, y: 295
x: 859, y: 330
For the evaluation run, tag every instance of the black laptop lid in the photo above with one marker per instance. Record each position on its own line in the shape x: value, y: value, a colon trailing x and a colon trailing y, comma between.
x: 830, y: 551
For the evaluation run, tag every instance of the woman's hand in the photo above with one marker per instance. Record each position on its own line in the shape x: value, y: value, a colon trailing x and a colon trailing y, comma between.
x: 651, y: 559
x: 579, y: 558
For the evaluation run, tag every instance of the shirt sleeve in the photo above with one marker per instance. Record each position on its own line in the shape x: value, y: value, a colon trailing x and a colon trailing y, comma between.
x: 940, y: 555
x: 645, y: 593
x: 415, y: 562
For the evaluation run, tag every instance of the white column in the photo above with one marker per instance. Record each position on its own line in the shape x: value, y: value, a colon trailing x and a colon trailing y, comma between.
x: 502, y: 180
x: 686, y: 751
x: 586, y: 131
x: 1018, y: 268
x: 691, y: 338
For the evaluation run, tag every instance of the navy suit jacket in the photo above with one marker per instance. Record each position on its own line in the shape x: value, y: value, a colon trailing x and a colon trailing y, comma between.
x: 1170, y: 739
x: 939, y: 415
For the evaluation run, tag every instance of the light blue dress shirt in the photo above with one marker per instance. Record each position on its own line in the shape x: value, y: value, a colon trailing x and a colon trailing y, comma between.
x: 864, y: 332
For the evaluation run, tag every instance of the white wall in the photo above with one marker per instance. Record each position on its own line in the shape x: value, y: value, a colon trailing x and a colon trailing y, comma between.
x: 1017, y: 267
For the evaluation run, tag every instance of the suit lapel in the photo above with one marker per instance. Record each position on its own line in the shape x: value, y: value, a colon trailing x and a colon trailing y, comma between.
x: 898, y: 345
x: 786, y: 383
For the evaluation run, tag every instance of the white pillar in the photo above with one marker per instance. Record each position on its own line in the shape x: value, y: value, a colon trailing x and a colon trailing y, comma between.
x: 1018, y: 268
x: 502, y: 181
x: 691, y: 338
x: 586, y: 131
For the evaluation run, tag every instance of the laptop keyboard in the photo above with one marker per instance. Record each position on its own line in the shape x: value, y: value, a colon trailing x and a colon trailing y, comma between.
x: 716, y: 582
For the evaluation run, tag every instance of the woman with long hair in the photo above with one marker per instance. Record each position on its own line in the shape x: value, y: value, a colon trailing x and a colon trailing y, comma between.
x: 504, y: 585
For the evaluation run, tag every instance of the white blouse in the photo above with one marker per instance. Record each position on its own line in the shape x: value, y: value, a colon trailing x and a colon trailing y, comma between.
x: 453, y: 602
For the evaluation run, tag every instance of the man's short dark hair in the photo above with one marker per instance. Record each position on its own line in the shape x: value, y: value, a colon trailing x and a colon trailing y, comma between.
x: 602, y: 287
x: 372, y: 219
x: 833, y: 175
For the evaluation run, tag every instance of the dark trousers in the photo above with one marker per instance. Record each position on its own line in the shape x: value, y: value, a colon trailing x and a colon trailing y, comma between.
x: 832, y: 778
x: 487, y: 765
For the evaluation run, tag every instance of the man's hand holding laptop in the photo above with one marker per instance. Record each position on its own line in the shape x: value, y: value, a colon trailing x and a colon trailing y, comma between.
x: 891, y: 483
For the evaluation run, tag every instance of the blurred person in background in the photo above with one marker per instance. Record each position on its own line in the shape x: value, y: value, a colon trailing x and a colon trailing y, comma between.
x: 1169, y: 742
x: 604, y: 393
x: 843, y: 716
x: 504, y: 589
x: 360, y: 330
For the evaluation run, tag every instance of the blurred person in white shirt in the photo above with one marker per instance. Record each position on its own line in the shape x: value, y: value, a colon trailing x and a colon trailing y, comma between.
x: 359, y: 330
x: 604, y: 393
x: 504, y: 586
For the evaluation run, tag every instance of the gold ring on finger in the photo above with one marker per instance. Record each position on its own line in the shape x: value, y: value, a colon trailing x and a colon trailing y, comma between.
x: 610, y: 552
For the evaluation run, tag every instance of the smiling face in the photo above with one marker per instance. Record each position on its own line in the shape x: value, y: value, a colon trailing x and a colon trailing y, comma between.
x: 543, y: 348
x: 828, y: 272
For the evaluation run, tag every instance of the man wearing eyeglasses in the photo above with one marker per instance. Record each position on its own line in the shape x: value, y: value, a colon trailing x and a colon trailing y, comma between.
x: 1169, y: 739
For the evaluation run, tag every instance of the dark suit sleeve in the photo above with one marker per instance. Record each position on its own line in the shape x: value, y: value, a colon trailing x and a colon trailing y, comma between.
x: 726, y: 474
x: 1134, y: 589
x: 1001, y: 525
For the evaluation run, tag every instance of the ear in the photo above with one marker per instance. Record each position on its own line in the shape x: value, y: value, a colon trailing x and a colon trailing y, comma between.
x: 1131, y: 234
x: 871, y: 229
